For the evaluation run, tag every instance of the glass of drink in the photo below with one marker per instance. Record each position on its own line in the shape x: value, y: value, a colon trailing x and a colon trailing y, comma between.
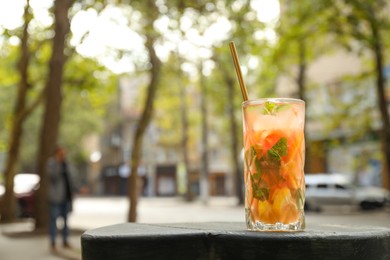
x: 274, y: 159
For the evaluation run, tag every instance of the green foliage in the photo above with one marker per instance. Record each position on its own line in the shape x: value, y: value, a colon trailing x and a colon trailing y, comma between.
x: 7, y: 93
x: 88, y: 88
x: 301, y: 25
x: 167, y: 103
x: 8, y: 59
x: 8, y: 84
x: 356, y: 19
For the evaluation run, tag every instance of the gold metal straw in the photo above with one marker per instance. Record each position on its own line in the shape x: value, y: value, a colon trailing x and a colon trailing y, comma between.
x: 238, y: 70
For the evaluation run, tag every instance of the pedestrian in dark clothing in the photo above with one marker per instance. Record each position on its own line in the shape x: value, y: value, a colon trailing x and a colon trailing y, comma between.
x: 60, y: 196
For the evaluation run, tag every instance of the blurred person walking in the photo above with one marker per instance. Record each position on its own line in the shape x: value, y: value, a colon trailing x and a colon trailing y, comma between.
x: 60, y: 196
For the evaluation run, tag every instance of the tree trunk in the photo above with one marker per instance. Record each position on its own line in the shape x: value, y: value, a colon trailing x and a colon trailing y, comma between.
x: 301, y: 82
x: 301, y: 79
x: 184, y: 138
x: 52, y: 110
x: 234, y: 148
x: 142, y: 126
x: 204, y: 173
x: 380, y: 88
x: 8, y: 206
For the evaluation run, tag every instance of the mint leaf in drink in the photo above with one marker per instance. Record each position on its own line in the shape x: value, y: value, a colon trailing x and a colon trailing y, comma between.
x: 272, y: 160
x: 250, y: 156
x: 271, y: 108
x: 260, y: 193
x: 256, y: 176
x: 269, y: 163
x: 279, y: 149
x: 260, y: 190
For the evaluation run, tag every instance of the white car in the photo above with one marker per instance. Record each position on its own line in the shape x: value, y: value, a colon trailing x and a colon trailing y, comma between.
x: 338, y: 189
x: 25, y: 186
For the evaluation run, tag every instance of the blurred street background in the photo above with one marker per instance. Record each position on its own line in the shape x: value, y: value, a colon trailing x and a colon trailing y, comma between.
x: 143, y: 96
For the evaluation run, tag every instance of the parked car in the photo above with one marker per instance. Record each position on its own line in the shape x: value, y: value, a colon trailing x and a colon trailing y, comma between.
x: 2, y: 190
x: 25, y: 186
x: 338, y: 189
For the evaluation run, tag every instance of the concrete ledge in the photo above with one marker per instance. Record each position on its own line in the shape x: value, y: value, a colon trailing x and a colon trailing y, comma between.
x: 220, y: 240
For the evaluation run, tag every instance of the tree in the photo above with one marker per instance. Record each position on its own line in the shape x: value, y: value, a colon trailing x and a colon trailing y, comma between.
x: 173, y: 93
x: 244, y: 28
x: 197, y: 12
x: 367, y: 23
x: 185, y: 136
x: 151, y: 14
x: 21, y: 111
x: 204, y: 172
x: 231, y: 105
x: 81, y: 81
x: 297, y: 30
x: 52, y: 106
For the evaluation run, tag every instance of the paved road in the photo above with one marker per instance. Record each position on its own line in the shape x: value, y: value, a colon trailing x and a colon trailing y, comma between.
x: 96, y: 212
x: 92, y: 212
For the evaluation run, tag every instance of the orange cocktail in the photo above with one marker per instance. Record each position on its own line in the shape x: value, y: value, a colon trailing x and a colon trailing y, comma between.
x: 274, y: 159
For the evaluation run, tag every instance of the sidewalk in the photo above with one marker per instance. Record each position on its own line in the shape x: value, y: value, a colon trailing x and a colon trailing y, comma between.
x: 18, y: 243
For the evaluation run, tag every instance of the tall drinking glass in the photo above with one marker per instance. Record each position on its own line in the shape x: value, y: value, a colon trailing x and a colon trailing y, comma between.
x: 274, y: 159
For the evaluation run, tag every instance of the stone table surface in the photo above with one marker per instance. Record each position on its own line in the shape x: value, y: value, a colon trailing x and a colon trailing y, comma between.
x: 227, y: 240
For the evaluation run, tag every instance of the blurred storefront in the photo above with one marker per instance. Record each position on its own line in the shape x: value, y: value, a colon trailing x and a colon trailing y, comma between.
x: 166, y: 181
